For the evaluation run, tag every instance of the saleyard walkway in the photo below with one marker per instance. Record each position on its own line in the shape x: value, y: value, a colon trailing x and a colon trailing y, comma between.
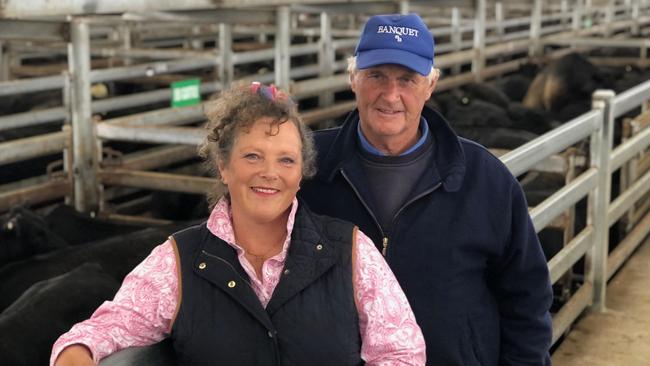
x: 621, y: 335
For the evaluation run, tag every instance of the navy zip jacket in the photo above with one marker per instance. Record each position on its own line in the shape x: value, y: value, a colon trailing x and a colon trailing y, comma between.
x: 462, y: 247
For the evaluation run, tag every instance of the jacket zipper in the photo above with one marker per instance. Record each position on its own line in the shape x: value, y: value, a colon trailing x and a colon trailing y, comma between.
x: 384, y: 242
x: 384, y: 236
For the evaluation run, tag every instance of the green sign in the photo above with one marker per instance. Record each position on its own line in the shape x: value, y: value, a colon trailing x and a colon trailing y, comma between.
x: 186, y: 92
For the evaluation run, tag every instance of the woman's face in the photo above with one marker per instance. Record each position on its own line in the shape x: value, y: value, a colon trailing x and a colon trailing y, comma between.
x: 264, y: 171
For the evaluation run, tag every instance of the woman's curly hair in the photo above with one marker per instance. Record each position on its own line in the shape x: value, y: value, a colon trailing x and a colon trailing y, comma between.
x: 236, y: 110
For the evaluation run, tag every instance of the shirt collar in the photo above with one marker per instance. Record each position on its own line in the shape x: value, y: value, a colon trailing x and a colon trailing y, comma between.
x: 220, y: 225
x: 366, y: 145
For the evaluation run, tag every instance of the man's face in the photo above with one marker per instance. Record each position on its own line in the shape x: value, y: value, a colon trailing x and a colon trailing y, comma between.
x: 390, y: 99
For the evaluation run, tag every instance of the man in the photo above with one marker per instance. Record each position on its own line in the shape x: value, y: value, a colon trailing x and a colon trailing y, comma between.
x: 450, y: 219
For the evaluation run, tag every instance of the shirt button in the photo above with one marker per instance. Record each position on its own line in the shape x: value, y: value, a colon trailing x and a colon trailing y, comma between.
x: 286, y: 272
x: 270, y: 334
x: 319, y: 247
x: 202, y: 265
x: 232, y: 284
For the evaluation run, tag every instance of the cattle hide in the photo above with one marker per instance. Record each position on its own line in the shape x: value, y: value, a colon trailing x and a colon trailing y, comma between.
x: 117, y: 255
x: 562, y: 82
x: 159, y: 354
x: 496, y: 137
x: 24, y: 233
x: 29, y: 327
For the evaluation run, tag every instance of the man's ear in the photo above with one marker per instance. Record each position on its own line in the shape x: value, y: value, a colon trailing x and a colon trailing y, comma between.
x: 432, y: 87
x: 352, y: 76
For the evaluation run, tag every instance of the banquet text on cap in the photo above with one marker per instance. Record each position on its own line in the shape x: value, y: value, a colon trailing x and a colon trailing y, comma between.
x: 400, y: 31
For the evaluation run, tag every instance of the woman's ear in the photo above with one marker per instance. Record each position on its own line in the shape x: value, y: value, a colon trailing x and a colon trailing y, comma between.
x: 223, y: 172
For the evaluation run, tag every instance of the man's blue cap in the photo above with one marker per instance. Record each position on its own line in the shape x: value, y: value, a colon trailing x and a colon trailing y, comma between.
x: 396, y: 39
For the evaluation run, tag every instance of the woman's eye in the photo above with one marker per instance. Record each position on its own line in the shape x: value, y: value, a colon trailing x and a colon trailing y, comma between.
x: 251, y: 157
x: 287, y: 161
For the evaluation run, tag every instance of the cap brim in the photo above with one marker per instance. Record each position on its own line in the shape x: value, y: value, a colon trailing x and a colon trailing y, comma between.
x: 415, y: 62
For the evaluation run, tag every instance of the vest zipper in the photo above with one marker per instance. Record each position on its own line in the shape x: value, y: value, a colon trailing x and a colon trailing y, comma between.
x: 384, y: 246
x: 229, y: 265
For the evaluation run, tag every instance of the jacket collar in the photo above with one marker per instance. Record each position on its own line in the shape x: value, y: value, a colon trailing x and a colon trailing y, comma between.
x: 449, y: 157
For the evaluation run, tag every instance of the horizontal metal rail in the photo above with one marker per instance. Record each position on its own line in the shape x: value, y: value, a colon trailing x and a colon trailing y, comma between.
x: 154, y: 158
x: 31, y: 85
x: 32, y: 118
x: 631, y: 98
x: 627, y: 246
x: 627, y: 150
x: 571, y: 310
x: 628, y: 198
x: 151, y: 134
x: 34, y: 193
x: 571, y: 253
x: 149, y: 69
x: 157, y: 181
x: 563, y: 199
x: 165, y: 116
x: 526, y: 156
x: 32, y: 147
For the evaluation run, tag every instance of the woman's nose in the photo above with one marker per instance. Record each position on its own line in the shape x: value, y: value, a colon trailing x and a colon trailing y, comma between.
x: 269, y: 171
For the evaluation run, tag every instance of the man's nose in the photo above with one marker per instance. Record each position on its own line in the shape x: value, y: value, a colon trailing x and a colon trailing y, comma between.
x: 391, y: 90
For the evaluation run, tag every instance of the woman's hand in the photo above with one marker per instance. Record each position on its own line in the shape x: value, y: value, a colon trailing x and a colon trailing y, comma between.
x: 75, y: 355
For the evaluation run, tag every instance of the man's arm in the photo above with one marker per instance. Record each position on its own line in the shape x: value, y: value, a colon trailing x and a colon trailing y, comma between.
x: 523, y: 290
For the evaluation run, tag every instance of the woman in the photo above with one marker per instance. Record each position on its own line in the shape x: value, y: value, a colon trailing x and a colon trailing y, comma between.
x: 264, y: 280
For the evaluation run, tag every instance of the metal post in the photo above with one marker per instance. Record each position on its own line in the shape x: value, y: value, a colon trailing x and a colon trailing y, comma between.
x: 197, y: 43
x: 601, y: 147
x: 498, y: 17
x: 404, y: 7
x: 125, y: 36
x: 456, y: 36
x: 535, y: 29
x: 326, y: 56
x: 67, y: 126
x: 635, y: 17
x: 83, y: 130
x: 478, y: 63
x: 589, y: 15
x: 282, y: 44
x: 576, y: 21
x: 5, y: 66
x: 609, y: 17
x: 226, y: 66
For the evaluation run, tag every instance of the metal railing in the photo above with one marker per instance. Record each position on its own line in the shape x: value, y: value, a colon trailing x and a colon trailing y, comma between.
x: 592, y: 242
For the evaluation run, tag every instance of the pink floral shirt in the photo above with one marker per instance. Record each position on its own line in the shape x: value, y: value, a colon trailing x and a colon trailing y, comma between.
x: 144, y: 308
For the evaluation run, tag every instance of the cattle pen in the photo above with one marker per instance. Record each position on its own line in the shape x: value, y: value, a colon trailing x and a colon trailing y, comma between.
x: 86, y: 89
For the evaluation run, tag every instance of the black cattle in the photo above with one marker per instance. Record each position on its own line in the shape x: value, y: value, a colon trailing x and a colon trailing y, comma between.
x: 515, y: 86
x: 568, y: 80
x: 24, y: 233
x: 117, y: 255
x: 160, y: 354
x: 29, y: 327
x: 485, y: 92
